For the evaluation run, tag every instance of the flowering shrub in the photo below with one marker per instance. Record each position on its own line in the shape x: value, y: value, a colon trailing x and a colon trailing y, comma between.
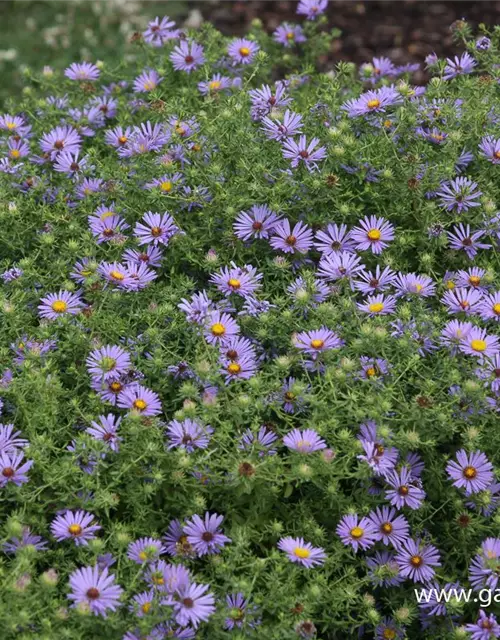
x: 250, y: 359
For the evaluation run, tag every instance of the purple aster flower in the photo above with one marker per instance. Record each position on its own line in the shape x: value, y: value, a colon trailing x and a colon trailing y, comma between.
x: 412, y: 284
x: 263, y: 441
x: 145, y: 550
x: 188, y: 434
x: 151, y: 256
x: 197, y: 309
x: 374, y: 282
x: 306, y: 441
x: 315, y: 342
x: 376, y: 69
x: 473, y: 472
x: 453, y: 333
x: 242, y: 51
x: 378, y: 305
x: 405, y: 490
x: 108, y: 228
x: 459, y: 194
x: 296, y: 240
x: 489, y: 307
x: 265, y: 100
x: 483, y: 43
x: 169, y: 630
x: 84, y: 71
x: 108, y: 391
x: 217, y: 84
x: 416, y: 560
x: 95, y: 590
x: 156, y: 228
x: 463, y: 300
x: 459, y: 66
x: 159, y: 31
x: 17, y: 149
x: 118, y: 137
x: 384, y: 570
x: 147, y: 81
x: 143, y: 603
x: 62, y: 138
x: 192, y: 604
x: 381, y: 459
x: 11, y: 274
x: 70, y: 163
x: 204, y: 534
x: 243, y: 281
x: 490, y: 149
x: 56, y: 305
x: 311, y: 8
x: 339, y: 266
x: 167, y: 578
x: 432, y: 134
x: 16, y: 125
x: 389, y: 629
x: 281, y: 128
x: 308, y: 292
x: 486, y: 627
x: 87, y: 187
x: 373, y: 233
x: 139, y: 399
x: 108, y: 362
x: 241, y: 614
x: 473, y: 277
x: 375, y: 101
x: 289, y: 34
x: 373, y: 368
x: 106, y: 431
x: 187, y: 56
x: 140, y: 276
x: 484, y: 570
x: 303, y: 152
x: 86, y: 461
x: 478, y: 343
x: 176, y: 542
x: 74, y: 525
x: 463, y: 239
x: 390, y: 528
x: 258, y: 222
x: 302, y: 552
x: 219, y: 327
x: 116, y: 273
x: 27, y: 539
x: 334, y: 239
x: 357, y: 533
x: 243, y: 369
x: 236, y: 349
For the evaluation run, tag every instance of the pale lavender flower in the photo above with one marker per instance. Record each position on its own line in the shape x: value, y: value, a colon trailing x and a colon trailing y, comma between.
x: 302, y: 552
x: 187, y: 56
x: 78, y: 526
x: 303, y: 152
x: 296, y: 240
x: 357, y: 533
x: 289, y: 34
x: 242, y: 50
x: 94, y: 589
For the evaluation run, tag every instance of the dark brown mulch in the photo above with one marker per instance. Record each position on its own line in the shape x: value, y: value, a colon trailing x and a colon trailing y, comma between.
x: 404, y: 30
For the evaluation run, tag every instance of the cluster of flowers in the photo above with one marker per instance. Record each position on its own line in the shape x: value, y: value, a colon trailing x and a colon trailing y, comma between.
x: 273, y: 301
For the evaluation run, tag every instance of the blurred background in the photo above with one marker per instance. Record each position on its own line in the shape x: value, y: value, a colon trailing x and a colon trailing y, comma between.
x: 54, y: 33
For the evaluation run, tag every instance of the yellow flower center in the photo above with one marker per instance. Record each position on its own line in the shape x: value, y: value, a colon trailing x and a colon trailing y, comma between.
x: 15, y: 153
x: 386, y: 527
x: 146, y: 607
x: 244, y: 51
x: 149, y: 86
x: 234, y: 367
x: 234, y: 283
x: 117, y: 275
x: 478, y: 345
x: 59, y: 306
x: 496, y: 308
x: 139, y: 404
x: 300, y: 552
x: 11, y: 125
x: 116, y: 387
x: 317, y: 344
x: 180, y: 130
x: 475, y: 280
x: 166, y: 186
x: 357, y: 532
x: 387, y: 124
x: 371, y: 371
x: 158, y: 579
x: 376, y: 307
x: 143, y: 555
x: 122, y: 139
x: 374, y: 234
x: 302, y: 445
x: 214, y: 85
x: 416, y: 561
x: 373, y: 104
x: 388, y: 634
x: 450, y: 284
x: 290, y: 35
x: 218, y: 329
x: 75, y: 529
x: 470, y: 473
